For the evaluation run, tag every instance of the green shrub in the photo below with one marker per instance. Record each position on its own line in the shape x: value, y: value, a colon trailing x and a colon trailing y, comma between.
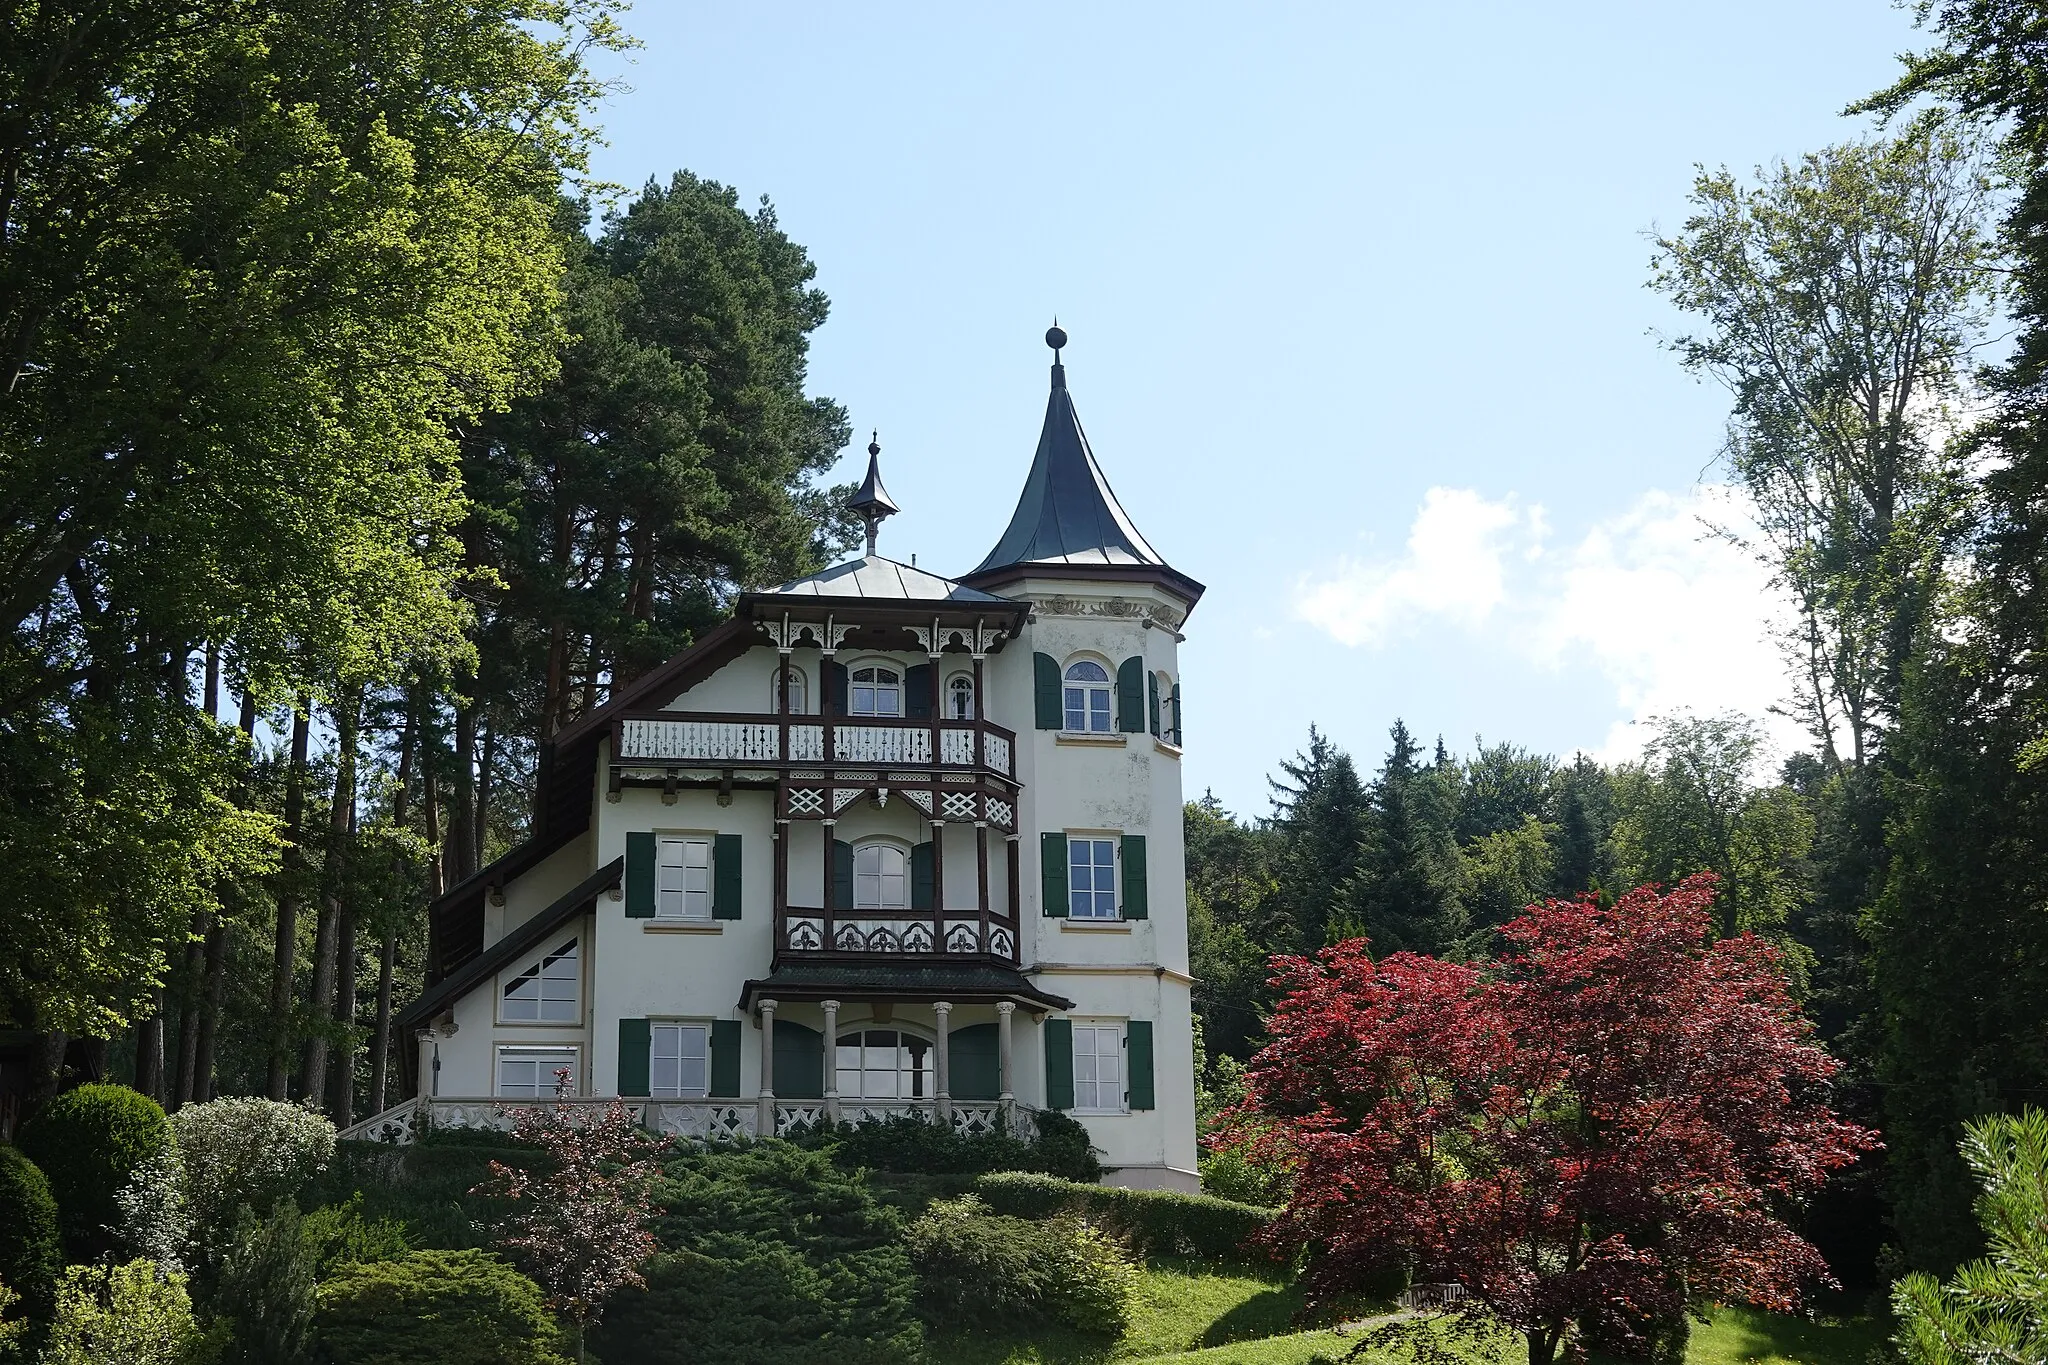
x: 449, y: 1307
x: 425, y: 1189
x: 89, y: 1142
x: 1152, y: 1222
x: 340, y: 1235
x: 908, y: 1144
x: 1234, y: 1173
x: 976, y: 1266
x: 768, y: 1304
x: 265, y: 1290
x: 244, y: 1151
x: 126, y: 1315
x: 31, y: 1257
x: 719, y: 1201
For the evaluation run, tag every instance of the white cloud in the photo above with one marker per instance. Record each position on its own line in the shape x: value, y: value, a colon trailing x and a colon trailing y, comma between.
x: 1670, y: 615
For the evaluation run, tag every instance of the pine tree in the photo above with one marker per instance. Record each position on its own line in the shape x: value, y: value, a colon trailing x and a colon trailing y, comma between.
x: 1320, y: 815
x: 1403, y: 896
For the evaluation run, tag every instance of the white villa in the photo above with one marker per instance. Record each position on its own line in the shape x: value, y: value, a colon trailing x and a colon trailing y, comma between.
x: 882, y: 842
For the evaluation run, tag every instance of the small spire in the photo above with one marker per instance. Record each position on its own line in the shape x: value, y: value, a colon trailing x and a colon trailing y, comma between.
x: 1056, y: 337
x: 871, y: 502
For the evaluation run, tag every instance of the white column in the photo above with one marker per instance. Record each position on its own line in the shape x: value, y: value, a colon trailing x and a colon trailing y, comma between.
x: 1008, y: 1098
x: 942, y: 1078
x: 765, y: 1124
x: 430, y: 1080
x: 831, y: 1060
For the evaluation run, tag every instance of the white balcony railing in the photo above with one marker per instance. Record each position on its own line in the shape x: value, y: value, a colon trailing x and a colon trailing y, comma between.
x: 652, y: 739
x: 702, y: 1120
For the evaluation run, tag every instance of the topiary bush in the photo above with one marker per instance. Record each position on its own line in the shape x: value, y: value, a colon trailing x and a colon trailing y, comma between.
x: 89, y: 1142
x: 240, y: 1151
x: 975, y: 1266
x: 449, y: 1307
x: 1151, y: 1222
x: 31, y: 1256
x: 131, y: 1314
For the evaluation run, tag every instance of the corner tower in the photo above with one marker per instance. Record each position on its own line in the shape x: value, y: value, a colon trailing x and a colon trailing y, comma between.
x: 1100, y: 846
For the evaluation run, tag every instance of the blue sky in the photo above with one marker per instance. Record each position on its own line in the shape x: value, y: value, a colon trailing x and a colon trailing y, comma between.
x: 1355, y: 293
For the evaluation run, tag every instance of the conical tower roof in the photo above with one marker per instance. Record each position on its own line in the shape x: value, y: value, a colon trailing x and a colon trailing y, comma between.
x: 1068, y: 522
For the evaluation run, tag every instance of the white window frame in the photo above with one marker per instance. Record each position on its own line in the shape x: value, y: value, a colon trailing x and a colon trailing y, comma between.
x: 1095, y: 841
x: 799, y: 691
x: 901, y: 1065
x: 569, y: 1012
x: 1089, y: 700
x: 960, y: 684
x: 547, y: 1058
x: 1107, y: 1039
x: 880, y: 877
x: 685, y: 902
x: 876, y: 688
x: 672, y: 1040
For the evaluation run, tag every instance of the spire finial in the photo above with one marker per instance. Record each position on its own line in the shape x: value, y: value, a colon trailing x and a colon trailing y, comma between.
x: 1056, y: 337
x: 871, y: 502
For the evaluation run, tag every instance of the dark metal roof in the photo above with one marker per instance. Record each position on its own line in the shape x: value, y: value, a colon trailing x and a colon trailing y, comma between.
x: 1067, y: 514
x: 958, y: 981
x: 514, y: 945
x: 878, y: 579
x: 871, y: 499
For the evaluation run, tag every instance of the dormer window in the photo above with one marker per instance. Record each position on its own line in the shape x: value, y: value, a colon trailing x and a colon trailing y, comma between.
x: 1087, y: 697
x: 875, y: 691
x: 546, y: 992
x: 960, y: 698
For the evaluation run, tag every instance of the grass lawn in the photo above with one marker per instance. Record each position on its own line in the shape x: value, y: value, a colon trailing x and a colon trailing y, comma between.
x: 1738, y: 1336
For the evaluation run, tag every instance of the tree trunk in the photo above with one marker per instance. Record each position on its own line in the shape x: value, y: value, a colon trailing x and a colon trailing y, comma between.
x: 191, y: 990
x: 483, y: 793
x: 341, y: 1090
x: 203, y: 1084
x: 285, y: 951
x: 149, y: 1049
x: 462, y: 815
x: 380, y: 1057
x: 313, y: 1066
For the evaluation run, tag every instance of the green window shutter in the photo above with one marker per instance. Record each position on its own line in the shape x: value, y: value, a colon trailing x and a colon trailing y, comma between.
x: 1045, y: 676
x: 1152, y: 702
x: 725, y: 1059
x: 799, y: 1062
x: 1177, y: 739
x: 635, y: 1042
x: 917, y: 692
x: 977, y: 1063
x: 639, y: 876
x: 725, y: 877
x: 1135, y: 903
x: 842, y: 875
x: 1052, y: 874
x: 835, y: 685
x: 1059, y: 1064
x: 1138, y: 1063
x: 921, y: 876
x: 1130, y: 695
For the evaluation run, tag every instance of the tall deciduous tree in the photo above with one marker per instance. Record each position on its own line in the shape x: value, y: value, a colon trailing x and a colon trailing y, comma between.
x: 1591, y: 1133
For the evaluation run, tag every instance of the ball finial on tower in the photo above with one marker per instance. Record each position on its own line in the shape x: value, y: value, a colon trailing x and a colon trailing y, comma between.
x: 1055, y: 336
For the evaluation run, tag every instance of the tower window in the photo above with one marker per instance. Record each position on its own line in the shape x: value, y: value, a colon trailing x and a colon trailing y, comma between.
x: 1091, y: 878
x: 1087, y: 696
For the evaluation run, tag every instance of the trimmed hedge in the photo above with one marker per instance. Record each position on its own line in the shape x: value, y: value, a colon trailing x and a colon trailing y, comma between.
x: 88, y: 1142
x: 1152, y: 1222
x: 31, y: 1256
x: 907, y: 1144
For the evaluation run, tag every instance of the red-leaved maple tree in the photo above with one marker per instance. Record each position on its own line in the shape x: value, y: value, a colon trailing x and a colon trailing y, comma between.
x: 1592, y: 1133
x: 578, y: 1222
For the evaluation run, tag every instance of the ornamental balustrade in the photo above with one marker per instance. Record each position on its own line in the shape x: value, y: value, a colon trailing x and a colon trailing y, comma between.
x: 698, y: 1120
x: 692, y: 737
x: 802, y: 930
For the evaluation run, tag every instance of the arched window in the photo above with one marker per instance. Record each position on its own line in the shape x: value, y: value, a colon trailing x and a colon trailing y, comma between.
x: 875, y: 690
x: 883, y: 1064
x: 881, y: 877
x: 960, y: 697
x: 799, y: 691
x: 1087, y: 696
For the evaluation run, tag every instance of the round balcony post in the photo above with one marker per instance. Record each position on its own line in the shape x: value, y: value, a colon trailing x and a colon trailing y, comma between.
x: 765, y: 1123
x: 941, y: 1062
x: 1006, y: 1097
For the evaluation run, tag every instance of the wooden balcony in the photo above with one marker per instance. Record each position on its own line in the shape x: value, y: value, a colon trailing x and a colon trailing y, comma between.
x: 724, y: 740
x: 816, y: 934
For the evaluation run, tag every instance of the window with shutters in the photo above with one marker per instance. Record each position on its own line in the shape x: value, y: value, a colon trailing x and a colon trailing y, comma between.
x: 1086, y: 693
x: 1164, y: 711
x: 960, y: 697
x: 883, y: 1064
x: 547, y: 992
x: 679, y: 1061
x: 1091, y: 877
x: 881, y: 877
x: 533, y: 1073
x: 682, y: 878
x: 799, y: 691
x: 874, y: 690
x: 1099, y: 1068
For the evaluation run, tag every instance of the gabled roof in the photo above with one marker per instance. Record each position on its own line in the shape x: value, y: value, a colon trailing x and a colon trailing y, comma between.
x: 513, y: 946
x: 875, y: 578
x: 1068, y: 522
